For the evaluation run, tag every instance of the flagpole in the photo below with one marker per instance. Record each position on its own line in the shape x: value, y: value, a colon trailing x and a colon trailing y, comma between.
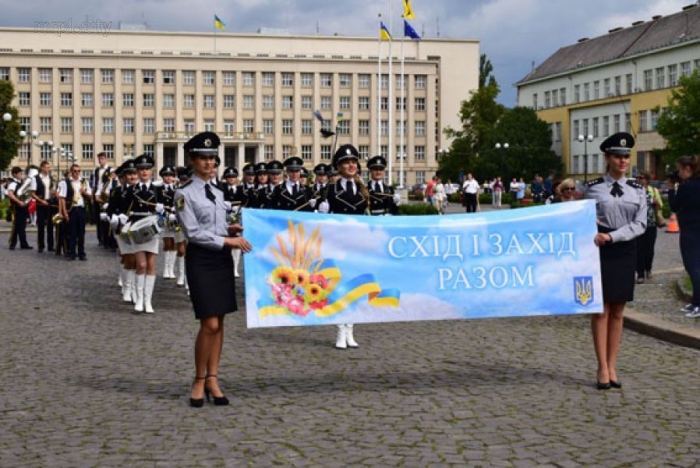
x: 403, y: 113
x: 379, y: 88
x: 390, y: 152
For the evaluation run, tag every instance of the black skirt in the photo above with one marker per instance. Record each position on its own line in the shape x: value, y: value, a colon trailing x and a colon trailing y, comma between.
x: 211, y: 281
x: 618, y: 264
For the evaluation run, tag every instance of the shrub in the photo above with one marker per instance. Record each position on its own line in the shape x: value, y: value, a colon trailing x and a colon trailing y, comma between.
x: 413, y: 209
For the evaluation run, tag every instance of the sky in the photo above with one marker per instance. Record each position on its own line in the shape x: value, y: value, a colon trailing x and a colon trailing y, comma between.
x: 514, y: 34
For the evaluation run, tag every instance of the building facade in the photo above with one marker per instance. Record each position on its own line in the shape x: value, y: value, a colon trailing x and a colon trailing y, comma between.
x: 616, y: 82
x: 129, y: 92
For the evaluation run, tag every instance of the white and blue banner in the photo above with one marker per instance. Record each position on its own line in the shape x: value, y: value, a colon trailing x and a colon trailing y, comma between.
x: 319, y: 269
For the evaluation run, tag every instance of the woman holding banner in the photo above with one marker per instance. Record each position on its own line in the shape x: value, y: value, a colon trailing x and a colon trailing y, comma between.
x: 622, y: 215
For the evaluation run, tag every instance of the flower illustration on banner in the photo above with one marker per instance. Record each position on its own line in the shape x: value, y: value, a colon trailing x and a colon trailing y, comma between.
x: 303, y: 282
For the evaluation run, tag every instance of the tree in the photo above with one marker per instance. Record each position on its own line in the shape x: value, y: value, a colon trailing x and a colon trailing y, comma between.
x: 9, y: 131
x: 679, y: 123
x: 485, y: 70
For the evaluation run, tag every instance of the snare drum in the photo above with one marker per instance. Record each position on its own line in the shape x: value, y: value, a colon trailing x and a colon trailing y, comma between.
x: 124, y: 233
x: 146, y: 229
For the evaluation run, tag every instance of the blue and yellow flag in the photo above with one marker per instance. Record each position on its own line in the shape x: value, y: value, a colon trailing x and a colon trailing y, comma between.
x: 218, y: 23
x: 384, y: 32
x: 408, y: 31
x: 408, y: 10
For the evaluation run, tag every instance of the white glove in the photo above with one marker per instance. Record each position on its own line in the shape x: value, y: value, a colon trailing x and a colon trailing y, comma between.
x: 160, y: 208
x: 397, y: 199
x: 312, y: 202
x: 114, y: 222
x: 123, y: 218
x: 235, y: 209
x: 323, y: 207
x: 104, y: 216
x: 172, y: 218
x: 105, y: 206
x: 227, y: 205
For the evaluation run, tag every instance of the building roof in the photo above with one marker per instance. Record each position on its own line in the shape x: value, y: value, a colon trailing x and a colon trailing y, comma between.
x: 621, y: 43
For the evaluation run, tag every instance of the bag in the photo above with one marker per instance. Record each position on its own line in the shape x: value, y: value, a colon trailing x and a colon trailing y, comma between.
x: 660, y: 220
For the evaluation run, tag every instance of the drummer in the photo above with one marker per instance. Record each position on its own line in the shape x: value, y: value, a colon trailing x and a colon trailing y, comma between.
x: 167, y: 174
x: 145, y: 200
x: 118, y: 210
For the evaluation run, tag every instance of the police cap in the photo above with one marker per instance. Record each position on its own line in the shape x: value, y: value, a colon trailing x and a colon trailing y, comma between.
x: 249, y: 169
x: 376, y: 162
x: 322, y: 169
x: 274, y: 167
x: 344, y: 153
x: 618, y: 143
x: 167, y: 171
x: 230, y: 172
x: 203, y: 144
x: 145, y: 161
x: 293, y: 163
x: 261, y: 168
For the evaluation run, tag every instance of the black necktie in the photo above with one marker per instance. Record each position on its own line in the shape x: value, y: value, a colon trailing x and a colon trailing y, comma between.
x: 616, y: 190
x: 377, y: 188
x: 210, y: 194
x: 295, y: 190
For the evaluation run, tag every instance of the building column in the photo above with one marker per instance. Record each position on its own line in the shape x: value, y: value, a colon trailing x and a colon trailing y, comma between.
x: 222, y: 156
x: 180, y: 154
x: 260, y: 157
x: 240, y: 157
x: 159, y: 154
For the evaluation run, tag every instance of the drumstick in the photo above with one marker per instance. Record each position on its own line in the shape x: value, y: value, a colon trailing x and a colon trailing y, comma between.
x: 381, y: 194
x: 306, y: 204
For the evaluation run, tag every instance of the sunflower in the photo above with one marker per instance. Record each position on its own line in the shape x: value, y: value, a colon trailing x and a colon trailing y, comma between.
x: 301, y: 277
x: 283, y: 274
x: 313, y: 293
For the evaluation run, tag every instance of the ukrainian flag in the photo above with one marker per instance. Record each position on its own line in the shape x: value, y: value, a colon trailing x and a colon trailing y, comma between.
x: 408, y: 10
x: 218, y: 23
x: 384, y: 32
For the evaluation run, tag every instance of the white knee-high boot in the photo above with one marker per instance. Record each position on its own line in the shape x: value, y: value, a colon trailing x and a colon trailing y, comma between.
x: 140, y: 284
x: 149, y: 284
x: 128, y: 285
x: 348, y: 336
x: 121, y: 278
x: 340, y: 340
x: 181, y: 271
x: 236, y: 254
x: 170, y: 256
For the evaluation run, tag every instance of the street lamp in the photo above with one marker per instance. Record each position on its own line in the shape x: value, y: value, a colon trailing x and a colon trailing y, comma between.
x: 585, y: 140
x: 23, y: 135
x: 6, y: 116
x: 504, y: 145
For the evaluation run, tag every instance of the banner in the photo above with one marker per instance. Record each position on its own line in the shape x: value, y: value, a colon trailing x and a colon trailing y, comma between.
x: 319, y: 269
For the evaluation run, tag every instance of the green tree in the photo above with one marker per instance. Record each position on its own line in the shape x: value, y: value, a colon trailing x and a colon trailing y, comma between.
x: 485, y: 70
x: 679, y: 123
x: 9, y: 131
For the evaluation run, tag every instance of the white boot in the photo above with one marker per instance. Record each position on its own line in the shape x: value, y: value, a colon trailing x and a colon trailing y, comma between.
x: 166, y: 264
x: 148, y: 293
x: 121, y: 278
x: 181, y: 271
x: 340, y: 341
x: 348, y: 336
x: 169, y: 264
x: 140, y: 284
x: 236, y: 254
x: 128, y: 285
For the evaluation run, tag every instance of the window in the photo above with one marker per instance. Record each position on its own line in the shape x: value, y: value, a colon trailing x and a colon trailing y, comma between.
x: 108, y: 149
x: 25, y: 123
x: 287, y: 102
x: 606, y: 126
x: 87, y: 151
x: 229, y: 127
x: 326, y: 152
x: 384, y: 151
x: 577, y: 94
x: 306, y: 102
x: 268, y: 126
x: 229, y: 101
x: 168, y: 77
x: 673, y: 75
x: 149, y: 76
x: 577, y: 130
x: 45, y: 124
x: 287, y: 79
x: 188, y: 77
x: 363, y: 127
x: 547, y: 99
x: 66, y: 75
x: 306, y: 127
x: 400, y: 103
x: 420, y: 127
x: 209, y: 125
x: 188, y: 101
x: 169, y: 125
x: 66, y: 124
x: 562, y: 96
x: 168, y: 100
x: 149, y: 149
x: 345, y: 80
x: 25, y: 75
x: 326, y: 80
x: 628, y: 122
x: 25, y: 150
x: 107, y: 100
x: 420, y: 103
x: 44, y: 99
x: 248, y: 78
x: 616, y: 123
x: 534, y: 102
x: 364, y: 151
x: 45, y: 75
x: 127, y: 100
x: 400, y: 82
x: 400, y: 127
x: 107, y: 76
x: 384, y: 127
x: 149, y: 100
x: 685, y: 69
x: 107, y: 125
x: 189, y: 126
x: 628, y: 83
x: 87, y: 76
x: 363, y: 80
x: 557, y: 128
x: 86, y: 99
x: 606, y: 88
x: 596, y: 89
x: 209, y: 101
x: 287, y: 126
x: 25, y: 99
x: 345, y: 102
x: 643, y: 121
x: 307, y: 80
x: 654, y: 119
x: 209, y: 78
x: 325, y: 102
x: 343, y: 127
x: 618, y: 85
x: 269, y: 153
x: 660, y: 78
x: 420, y: 81
x: 268, y: 79
x: 248, y: 125
x: 149, y: 126
x: 66, y: 99
x: 286, y: 151
x: 248, y: 101
x: 307, y: 152
x: 647, y: 80
x: 595, y: 132
x: 128, y: 76
x: 384, y: 103
x: 229, y: 78
x: 419, y: 153
x: 268, y: 101
x: 586, y: 92
x: 4, y: 73
x: 127, y: 150
x: 384, y: 82
x: 555, y: 98
x: 363, y: 103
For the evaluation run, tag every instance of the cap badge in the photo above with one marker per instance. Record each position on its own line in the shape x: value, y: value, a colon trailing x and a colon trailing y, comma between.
x: 347, y: 151
x: 623, y: 142
x: 207, y: 142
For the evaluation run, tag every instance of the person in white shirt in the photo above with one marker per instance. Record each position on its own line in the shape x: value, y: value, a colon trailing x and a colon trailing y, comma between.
x: 449, y: 190
x: 40, y: 188
x: 470, y: 190
x: 439, y: 196
x: 74, y: 196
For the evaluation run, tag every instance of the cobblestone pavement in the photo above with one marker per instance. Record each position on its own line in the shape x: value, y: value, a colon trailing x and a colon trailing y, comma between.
x: 85, y: 382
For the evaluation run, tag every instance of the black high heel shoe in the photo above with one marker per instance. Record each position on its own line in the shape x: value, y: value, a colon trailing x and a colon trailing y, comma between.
x: 615, y: 384
x: 218, y: 400
x: 198, y: 402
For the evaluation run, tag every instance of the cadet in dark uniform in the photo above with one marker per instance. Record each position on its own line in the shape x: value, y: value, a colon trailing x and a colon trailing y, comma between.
x: 622, y: 215
x: 304, y: 176
x: 292, y: 195
x: 247, y: 190
x: 347, y: 196
x: 202, y: 215
x: 261, y: 186
x: 18, y: 203
x: 233, y: 195
x: 118, y: 212
x: 167, y: 174
x: 321, y: 171
x: 274, y: 178
x: 383, y: 200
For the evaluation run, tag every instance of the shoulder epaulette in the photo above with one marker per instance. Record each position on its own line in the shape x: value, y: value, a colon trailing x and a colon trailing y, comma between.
x: 593, y: 182
x: 185, y: 183
x: 635, y: 184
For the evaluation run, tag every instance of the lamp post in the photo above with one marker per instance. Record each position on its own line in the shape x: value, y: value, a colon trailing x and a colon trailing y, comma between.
x: 23, y: 135
x: 65, y: 154
x: 585, y: 140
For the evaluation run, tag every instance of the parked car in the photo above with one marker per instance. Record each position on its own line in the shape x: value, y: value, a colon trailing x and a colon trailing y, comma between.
x: 660, y: 185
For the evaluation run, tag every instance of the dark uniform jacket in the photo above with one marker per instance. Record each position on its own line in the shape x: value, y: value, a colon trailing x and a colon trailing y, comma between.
x: 281, y: 199
x: 381, y: 204
x: 343, y: 201
x: 143, y: 201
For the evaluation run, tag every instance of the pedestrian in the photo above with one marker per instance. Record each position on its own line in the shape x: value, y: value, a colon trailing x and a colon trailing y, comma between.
x: 621, y: 211
x: 18, y: 194
x: 440, y: 196
x: 202, y: 214
x: 74, y: 196
x: 430, y: 191
x: 684, y: 200
x: 564, y: 191
x: 470, y: 192
x: 645, y: 242
x: 98, y: 178
x: 40, y: 189
x: 449, y: 190
x: 497, y: 191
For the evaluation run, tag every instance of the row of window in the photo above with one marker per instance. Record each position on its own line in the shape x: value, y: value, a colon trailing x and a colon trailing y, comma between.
x: 209, y: 101
x: 601, y: 127
x: 595, y: 163
x: 658, y: 78
x: 128, y: 76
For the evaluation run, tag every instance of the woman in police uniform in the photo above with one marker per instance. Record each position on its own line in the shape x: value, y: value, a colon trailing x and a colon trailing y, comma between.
x: 203, y: 218
x: 621, y: 209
